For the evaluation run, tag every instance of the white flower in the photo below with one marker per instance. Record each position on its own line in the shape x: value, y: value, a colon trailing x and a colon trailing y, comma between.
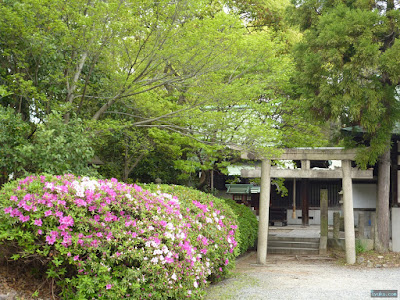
x: 169, y: 235
x: 173, y: 276
x: 154, y: 260
x: 195, y: 284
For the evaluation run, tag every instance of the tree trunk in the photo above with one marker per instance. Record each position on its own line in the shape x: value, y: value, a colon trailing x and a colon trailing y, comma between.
x: 382, y: 204
x: 128, y: 168
x: 204, y: 179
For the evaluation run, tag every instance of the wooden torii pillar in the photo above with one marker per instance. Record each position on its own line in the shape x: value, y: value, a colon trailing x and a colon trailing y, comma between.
x: 346, y: 173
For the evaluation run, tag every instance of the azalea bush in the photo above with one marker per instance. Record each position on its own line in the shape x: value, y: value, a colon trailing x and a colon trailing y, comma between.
x: 248, y: 225
x: 223, y: 231
x: 102, y: 239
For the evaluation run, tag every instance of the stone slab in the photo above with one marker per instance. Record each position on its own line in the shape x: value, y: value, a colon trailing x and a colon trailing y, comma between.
x: 396, y: 229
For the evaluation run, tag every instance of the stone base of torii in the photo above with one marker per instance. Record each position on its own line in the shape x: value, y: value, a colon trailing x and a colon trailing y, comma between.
x: 305, y: 155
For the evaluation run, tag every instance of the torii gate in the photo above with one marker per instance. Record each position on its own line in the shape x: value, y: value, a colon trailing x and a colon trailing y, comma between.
x: 305, y: 155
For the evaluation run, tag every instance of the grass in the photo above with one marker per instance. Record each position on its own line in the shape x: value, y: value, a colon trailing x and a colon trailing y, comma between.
x: 228, y: 288
x: 360, y: 248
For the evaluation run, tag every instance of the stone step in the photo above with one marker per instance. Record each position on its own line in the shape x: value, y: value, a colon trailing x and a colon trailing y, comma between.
x: 298, y: 251
x: 293, y: 244
x: 292, y: 239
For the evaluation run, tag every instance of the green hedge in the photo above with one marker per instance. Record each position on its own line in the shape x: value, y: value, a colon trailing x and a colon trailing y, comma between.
x: 248, y: 225
x: 244, y: 217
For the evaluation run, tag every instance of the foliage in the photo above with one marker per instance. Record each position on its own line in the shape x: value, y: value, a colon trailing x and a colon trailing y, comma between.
x: 248, y: 225
x: 58, y: 148
x: 258, y: 14
x: 53, y: 147
x: 13, y: 135
x: 107, y: 240
x: 360, y: 247
x: 347, y: 67
x: 185, y: 77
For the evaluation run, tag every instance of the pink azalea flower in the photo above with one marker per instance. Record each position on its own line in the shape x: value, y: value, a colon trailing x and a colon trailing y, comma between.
x: 15, y: 213
x: 68, y: 221
x: 169, y: 260
x: 50, y: 240
x: 23, y: 218
x: 38, y: 222
x: 8, y: 210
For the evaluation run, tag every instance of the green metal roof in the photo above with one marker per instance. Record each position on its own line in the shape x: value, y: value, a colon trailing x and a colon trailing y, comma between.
x: 239, y: 188
x: 359, y: 129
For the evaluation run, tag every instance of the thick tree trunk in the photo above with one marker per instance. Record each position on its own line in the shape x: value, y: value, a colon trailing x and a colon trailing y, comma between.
x: 382, y: 204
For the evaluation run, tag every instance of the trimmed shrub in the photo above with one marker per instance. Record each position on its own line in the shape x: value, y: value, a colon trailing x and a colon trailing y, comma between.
x: 222, y: 231
x: 248, y: 225
x: 102, y: 239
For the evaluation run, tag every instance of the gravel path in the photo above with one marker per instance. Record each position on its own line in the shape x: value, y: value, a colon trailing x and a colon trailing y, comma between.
x: 303, y: 277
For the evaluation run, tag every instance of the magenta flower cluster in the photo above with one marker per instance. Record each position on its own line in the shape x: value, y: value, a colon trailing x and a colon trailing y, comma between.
x: 121, y: 240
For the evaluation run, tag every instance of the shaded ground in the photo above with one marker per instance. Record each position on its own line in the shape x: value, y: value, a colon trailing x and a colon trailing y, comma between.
x: 19, y: 282
x: 309, y: 277
x: 371, y: 259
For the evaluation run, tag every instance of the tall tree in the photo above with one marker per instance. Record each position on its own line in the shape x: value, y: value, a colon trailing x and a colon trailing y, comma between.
x: 348, y: 70
x: 142, y: 73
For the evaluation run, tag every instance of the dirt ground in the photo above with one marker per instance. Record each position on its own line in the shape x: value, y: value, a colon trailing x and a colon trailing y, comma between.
x: 17, y: 282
